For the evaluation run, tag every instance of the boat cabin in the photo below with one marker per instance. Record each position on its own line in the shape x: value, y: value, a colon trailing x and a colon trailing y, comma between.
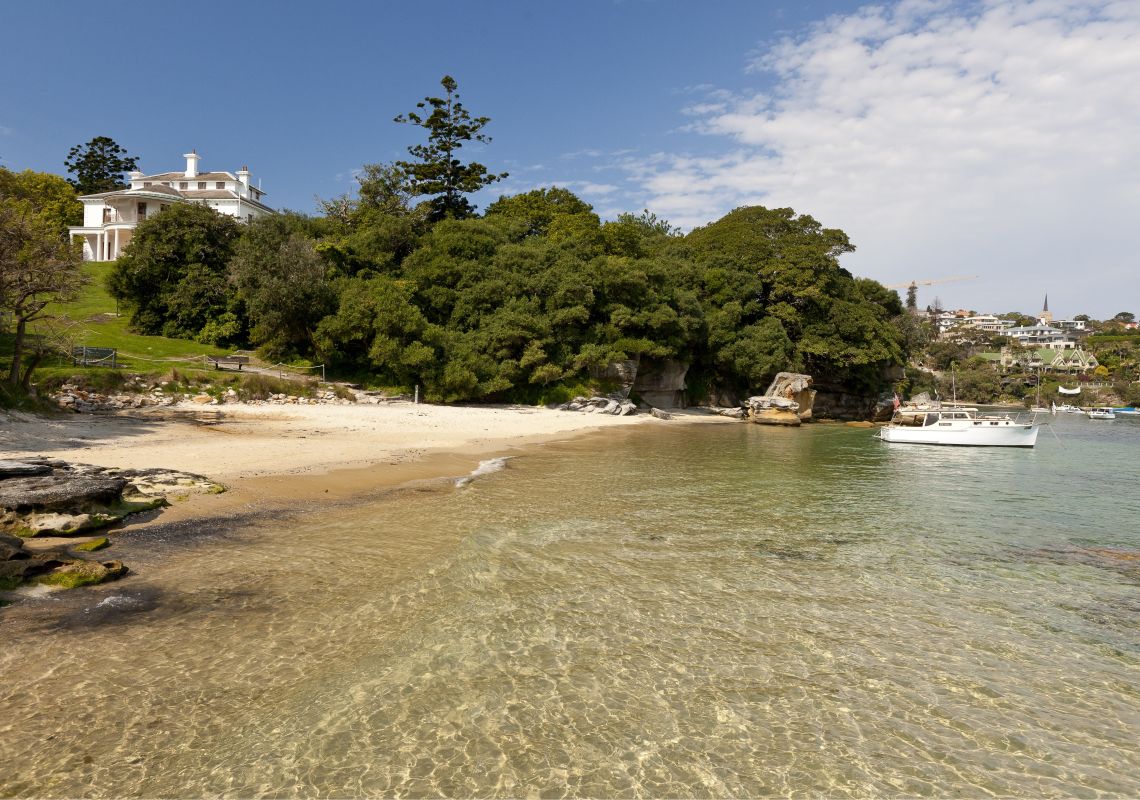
x: 922, y: 417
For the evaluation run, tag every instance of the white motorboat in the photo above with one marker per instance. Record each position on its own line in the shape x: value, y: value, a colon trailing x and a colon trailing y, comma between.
x: 957, y: 426
x: 1101, y: 413
x: 1065, y: 408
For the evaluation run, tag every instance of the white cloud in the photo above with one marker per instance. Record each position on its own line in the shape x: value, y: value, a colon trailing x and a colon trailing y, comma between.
x: 1002, y: 139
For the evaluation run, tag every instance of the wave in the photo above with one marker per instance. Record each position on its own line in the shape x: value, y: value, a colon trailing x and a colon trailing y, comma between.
x: 487, y: 467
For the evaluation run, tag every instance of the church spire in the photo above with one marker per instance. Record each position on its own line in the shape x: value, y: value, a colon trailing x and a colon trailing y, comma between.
x: 1046, y: 306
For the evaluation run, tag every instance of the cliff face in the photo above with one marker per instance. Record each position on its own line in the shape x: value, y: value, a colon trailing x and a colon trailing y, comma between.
x: 661, y: 384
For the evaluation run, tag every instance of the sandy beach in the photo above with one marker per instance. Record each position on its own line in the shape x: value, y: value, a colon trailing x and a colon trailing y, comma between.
x: 273, y: 455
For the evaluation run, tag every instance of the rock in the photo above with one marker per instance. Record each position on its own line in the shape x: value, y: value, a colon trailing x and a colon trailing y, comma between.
x: 734, y: 413
x: 21, y: 469
x: 661, y: 383
x: 656, y: 412
x: 11, y: 547
x: 83, y: 573
x: 860, y: 424
x: 788, y: 401
x: 775, y: 416
x: 97, y: 543
x: 59, y: 491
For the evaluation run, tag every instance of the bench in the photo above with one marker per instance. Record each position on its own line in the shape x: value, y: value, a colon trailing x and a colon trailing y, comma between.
x: 217, y: 361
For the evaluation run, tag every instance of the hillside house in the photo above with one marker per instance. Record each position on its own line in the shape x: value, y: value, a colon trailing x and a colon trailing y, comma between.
x: 110, y: 218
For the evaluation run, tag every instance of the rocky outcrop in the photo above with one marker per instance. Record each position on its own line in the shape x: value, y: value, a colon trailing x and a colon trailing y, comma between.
x: 617, y: 406
x: 661, y: 384
x: 138, y: 394
x: 45, y: 497
x: 54, y: 566
x: 49, y: 497
x: 788, y: 401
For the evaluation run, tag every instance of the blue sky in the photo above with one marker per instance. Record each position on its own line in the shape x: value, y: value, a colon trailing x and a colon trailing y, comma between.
x: 946, y: 138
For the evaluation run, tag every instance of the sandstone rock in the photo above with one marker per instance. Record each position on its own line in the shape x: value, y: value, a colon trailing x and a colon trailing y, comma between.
x: 656, y: 412
x: 788, y: 401
x: 11, y: 547
x: 83, y: 573
x: 22, y: 469
x: 59, y: 491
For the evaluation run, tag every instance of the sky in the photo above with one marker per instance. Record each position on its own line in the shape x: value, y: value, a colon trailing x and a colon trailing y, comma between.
x: 995, y: 142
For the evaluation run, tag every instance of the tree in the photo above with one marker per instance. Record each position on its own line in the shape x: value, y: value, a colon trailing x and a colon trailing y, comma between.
x: 99, y: 165
x: 174, y: 274
x: 52, y: 198
x: 1125, y: 316
x: 438, y: 171
x: 912, y: 298
x: 37, y: 265
x: 281, y: 279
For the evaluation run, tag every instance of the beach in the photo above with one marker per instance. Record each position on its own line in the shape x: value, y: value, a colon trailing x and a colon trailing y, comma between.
x: 283, y: 453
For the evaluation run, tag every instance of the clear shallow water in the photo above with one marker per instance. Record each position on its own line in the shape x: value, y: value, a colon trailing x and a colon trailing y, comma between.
x: 692, y: 611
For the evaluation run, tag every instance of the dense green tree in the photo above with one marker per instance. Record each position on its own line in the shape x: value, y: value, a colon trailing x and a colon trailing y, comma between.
x: 282, y: 282
x: 51, y: 197
x: 38, y: 265
x: 540, y: 208
x: 99, y: 165
x: 437, y: 169
x: 174, y: 275
x: 786, y: 267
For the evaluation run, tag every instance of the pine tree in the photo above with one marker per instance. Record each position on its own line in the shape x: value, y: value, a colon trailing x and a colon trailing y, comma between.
x: 99, y: 165
x: 438, y: 171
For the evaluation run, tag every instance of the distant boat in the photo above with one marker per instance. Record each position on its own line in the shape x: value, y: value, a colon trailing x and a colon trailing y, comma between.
x: 1065, y: 408
x: 957, y: 426
x: 1101, y: 413
x: 1128, y: 411
x: 1063, y: 390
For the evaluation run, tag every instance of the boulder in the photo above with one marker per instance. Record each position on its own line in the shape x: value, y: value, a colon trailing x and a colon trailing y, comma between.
x: 11, y: 547
x: 22, y: 469
x: 788, y: 401
x: 83, y: 573
x: 656, y: 412
x: 59, y: 491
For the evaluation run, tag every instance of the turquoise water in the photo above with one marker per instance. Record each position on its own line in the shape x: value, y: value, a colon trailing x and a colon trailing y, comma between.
x: 683, y: 610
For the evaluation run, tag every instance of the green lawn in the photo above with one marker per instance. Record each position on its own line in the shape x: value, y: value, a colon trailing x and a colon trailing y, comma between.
x: 99, y: 324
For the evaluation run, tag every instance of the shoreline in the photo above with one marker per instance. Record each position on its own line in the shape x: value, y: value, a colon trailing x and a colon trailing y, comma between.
x: 272, y: 458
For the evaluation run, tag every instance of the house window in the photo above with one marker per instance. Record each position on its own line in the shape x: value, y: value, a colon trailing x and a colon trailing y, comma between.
x: 146, y: 183
x: 141, y: 212
x: 220, y: 185
x: 249, y: 217
x: 201, y: 184
x: 162, y: 207
x: 106, y: 215
x: 183, y: 185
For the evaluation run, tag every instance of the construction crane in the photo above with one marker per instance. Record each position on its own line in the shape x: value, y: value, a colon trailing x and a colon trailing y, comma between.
x: 932, y: 282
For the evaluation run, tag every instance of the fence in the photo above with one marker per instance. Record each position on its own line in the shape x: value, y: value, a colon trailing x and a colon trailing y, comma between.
x: 93, y: 356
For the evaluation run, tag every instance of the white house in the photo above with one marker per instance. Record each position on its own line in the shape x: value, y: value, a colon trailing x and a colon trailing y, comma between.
x: 110, y: 218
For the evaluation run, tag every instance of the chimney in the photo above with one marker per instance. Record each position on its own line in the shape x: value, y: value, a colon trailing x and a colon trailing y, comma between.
x: 191, y: 164
x: 243, y: 176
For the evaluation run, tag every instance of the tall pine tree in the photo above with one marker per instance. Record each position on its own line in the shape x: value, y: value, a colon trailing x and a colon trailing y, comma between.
x: 438, y: 170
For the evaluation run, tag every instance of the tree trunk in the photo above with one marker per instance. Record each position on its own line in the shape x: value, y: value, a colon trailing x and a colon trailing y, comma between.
x: 17, y: 352
x: 33, y: 362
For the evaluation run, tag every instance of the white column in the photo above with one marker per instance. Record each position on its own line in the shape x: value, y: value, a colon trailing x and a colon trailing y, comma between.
x: 116, y: 250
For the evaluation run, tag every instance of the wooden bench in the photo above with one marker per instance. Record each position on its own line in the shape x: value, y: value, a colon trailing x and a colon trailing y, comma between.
x: 217, y: 361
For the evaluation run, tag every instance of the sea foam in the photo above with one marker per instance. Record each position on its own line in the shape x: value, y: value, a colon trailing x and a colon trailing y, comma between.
x: 487, y: 467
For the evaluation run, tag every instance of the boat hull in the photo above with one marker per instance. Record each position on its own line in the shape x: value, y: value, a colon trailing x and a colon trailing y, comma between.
x: 973, y: 436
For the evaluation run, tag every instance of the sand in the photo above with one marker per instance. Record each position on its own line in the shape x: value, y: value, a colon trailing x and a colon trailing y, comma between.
x: 273, y: 455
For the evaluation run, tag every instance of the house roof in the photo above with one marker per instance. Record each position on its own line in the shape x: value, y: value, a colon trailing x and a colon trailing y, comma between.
x: 165, y: 191
x: 181, y: 176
